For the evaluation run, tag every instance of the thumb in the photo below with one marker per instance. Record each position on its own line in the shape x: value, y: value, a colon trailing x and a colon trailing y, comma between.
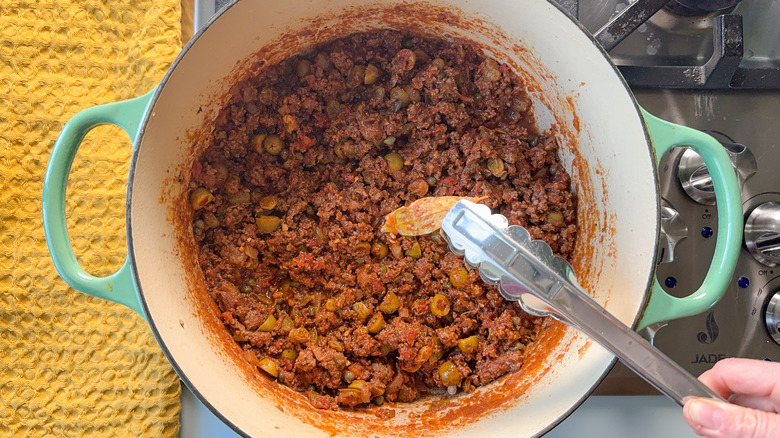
x: 715, y: 419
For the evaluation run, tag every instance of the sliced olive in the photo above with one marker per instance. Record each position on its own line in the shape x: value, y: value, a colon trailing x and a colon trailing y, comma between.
x: 414, y: 252
x: 299, y: 335
x: 257, y: 142
x: 200, y: 197
x: 400, y: 96
x: 270, y: 366
x: 290, y: 124
x: 390, y: 303
x: 273, y: 144
x: 362, y: 310
x: 376, y: 323
x: 371, y: 74
x: 555, y: 218
x: 440, y: 305
x: 268, y: 224
x: 268, y: 202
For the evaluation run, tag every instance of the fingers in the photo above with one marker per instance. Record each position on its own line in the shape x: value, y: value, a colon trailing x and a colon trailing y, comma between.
x: 747, y: 377
x: 715, y: 419
x: 749, y: 401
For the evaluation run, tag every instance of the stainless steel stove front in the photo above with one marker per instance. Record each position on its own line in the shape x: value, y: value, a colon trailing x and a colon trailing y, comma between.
x: 741, y: 114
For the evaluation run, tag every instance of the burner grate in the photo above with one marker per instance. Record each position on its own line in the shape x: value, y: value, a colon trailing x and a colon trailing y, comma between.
x: 725, y: 69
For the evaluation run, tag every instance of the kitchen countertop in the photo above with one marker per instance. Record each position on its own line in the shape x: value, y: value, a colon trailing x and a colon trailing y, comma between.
x: 637, y: 416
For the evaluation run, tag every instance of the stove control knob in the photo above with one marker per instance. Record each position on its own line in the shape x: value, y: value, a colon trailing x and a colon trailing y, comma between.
x: 772, y: 317
x: 762, y: 233
x: 696, y: 180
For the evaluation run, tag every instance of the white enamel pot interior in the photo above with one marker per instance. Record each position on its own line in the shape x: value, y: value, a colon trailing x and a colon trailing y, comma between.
x: 575, y: 89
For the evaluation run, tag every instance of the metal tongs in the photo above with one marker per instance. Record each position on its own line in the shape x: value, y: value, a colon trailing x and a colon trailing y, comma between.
x: 527, y: 271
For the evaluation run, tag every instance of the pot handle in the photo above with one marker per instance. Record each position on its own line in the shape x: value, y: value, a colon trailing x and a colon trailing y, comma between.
x: 119, y: 286
x: 662, y: 306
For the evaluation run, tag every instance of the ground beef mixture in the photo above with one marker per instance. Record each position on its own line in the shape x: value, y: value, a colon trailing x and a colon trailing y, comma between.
x: 310, y: 155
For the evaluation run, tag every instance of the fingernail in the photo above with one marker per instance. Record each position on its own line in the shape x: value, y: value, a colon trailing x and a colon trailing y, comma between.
x: 706, y: 414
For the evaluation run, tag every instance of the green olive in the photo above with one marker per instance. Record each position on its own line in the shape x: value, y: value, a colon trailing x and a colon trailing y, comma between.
x: 268, y: 325
x: 268, y: 224
x: 303, y: 68
x: 200, y: 197
x: 400, y: 96
x: 273, y: 144
x: 449, y: 374
x: 290, y: 124
x: 290, y: 353
x: 299, y: 335
x: 440, y: 305
x: 210, y: 220
x: 270, y: 366
x: 410, y: 56
x: 414, y: 252
x: 394, y: 161
x: 376, y: 323
x: 363, y: 246
x: 268, y: 202
x: 468, y: 345
x: 371, y: 74
x: 555, y: 218
x: 257, y: 142
x: 390, y: 304
x: 438, y: 351
x: 357, y: 384
x: 459, y: 277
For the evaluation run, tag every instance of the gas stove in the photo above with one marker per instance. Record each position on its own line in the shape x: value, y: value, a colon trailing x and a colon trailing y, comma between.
x: 713, y: 65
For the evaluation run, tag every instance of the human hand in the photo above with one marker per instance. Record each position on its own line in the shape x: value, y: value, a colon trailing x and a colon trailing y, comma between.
x: 752, y: 387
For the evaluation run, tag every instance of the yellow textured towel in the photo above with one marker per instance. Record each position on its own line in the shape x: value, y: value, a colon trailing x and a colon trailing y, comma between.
x: 70, y: 364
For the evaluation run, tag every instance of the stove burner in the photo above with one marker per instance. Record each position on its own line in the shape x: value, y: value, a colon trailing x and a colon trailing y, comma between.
x: 695, y: 8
